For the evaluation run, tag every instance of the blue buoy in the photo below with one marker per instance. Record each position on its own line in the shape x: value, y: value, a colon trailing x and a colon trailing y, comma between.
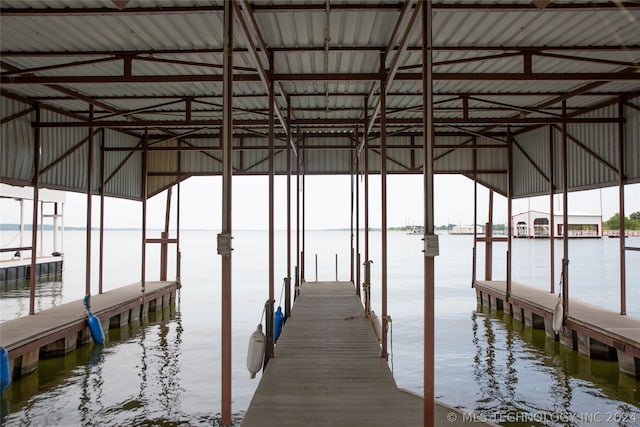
x: 5, y: 372
x: 278, y: 319
x: 94, y: 323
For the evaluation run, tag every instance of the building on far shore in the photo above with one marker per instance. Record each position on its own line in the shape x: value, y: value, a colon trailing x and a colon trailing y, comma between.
x: 536, y: 224
x: 466, y: 229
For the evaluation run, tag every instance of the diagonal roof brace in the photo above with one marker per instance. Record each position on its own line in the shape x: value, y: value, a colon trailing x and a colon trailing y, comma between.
x: 403, y: 27
x: 252, y: 35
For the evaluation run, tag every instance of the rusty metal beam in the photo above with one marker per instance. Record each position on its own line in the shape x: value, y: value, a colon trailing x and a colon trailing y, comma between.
x: 252, y: 34
x: 345, y: 7
x: 310, y: 122
x: 16, y: 116
x: 293, y: 77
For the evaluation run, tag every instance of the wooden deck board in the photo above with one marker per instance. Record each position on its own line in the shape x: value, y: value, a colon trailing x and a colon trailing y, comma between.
x: 603, y: 321
x: 21, y: 331
x: 328, y: 371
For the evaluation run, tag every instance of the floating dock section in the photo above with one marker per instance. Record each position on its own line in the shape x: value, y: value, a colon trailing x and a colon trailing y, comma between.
x: 60, y: 330
x: 591, y: 330
x: 327, y: 370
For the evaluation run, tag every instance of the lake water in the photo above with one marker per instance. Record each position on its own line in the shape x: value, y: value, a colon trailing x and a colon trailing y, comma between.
x: 166, y: 371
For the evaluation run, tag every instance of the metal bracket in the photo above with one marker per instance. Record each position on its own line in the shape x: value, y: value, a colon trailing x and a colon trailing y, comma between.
x: 224, y: 244
x: 431, y: 245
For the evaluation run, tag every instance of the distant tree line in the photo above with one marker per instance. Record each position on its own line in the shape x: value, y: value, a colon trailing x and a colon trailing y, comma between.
x: 632, y: 222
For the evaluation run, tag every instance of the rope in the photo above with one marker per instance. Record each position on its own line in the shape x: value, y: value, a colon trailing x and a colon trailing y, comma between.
x: 264, y: 309
x: 390, y: 323
x: 282, y: 292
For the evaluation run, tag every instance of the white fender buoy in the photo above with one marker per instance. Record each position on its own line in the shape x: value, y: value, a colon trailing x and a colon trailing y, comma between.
x: 377, y: 325
x: 255, y: 352
x: 558, y: 314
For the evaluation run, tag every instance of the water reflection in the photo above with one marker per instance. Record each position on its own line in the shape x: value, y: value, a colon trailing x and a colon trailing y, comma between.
x: 133, y: 378
x: 512, y: 364
x: 15, y: 297
x: 92, y: 382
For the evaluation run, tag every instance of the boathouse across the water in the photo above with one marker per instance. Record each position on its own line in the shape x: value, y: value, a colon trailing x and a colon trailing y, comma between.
x: 537, y: 224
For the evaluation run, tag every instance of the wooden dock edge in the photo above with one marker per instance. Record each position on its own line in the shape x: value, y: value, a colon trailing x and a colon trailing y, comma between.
x: 588, y: 339
x: 47, y: 340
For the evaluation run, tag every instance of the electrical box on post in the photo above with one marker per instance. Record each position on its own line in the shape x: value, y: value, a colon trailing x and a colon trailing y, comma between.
x: 224, y: 244
x: 431, y: 245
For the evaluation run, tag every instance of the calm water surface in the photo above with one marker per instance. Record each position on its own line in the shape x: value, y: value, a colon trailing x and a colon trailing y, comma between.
x: 166, y: 370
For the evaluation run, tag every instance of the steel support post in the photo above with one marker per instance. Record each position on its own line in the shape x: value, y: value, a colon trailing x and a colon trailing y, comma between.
x: 366, y: 182
x: 475, y: 216
x: 179, y: 170
x: 383, y: 184
x: 488, y: 244
x: 621, y: 182
x: 101, y: 254
x: 164, y: 246
x: 552, y: 257
x: 429, y: 260
x: 357, y: 266
x: 304, y: 190
x: 89, y: 205
x: 224, y: 239
x: 144, y: 191
x: 351, y: 254
x: 367, y: 275
x: 270, y: 337
x: 287, y: 300
x: 565, y: 213
x: 36, y: 200
x: 298, y: 257
x: 509, y: 211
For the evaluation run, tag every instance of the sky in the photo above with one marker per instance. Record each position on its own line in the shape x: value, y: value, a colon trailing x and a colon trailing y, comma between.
x: 327, y: 204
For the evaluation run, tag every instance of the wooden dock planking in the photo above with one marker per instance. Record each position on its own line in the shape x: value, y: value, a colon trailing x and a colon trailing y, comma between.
x: 328, y: 370
x: 588, y: 321
x: 28, y: 333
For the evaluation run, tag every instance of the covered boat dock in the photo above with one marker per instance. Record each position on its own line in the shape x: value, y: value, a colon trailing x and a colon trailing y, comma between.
x: 128, y: 98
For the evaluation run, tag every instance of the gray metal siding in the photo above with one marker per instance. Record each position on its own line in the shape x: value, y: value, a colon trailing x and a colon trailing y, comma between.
x: 526, y: 179
x: 16, y: 142
x: 632, y: 141
x: 127, y: 182
x: 602, y: 139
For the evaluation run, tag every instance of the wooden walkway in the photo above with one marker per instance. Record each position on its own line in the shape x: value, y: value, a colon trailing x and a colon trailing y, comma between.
x: 587, y: 327
x: 60, y: 329
x: 328, y: 371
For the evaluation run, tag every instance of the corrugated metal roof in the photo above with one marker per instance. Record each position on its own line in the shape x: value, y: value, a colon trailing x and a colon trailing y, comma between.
x: 502, y: 62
